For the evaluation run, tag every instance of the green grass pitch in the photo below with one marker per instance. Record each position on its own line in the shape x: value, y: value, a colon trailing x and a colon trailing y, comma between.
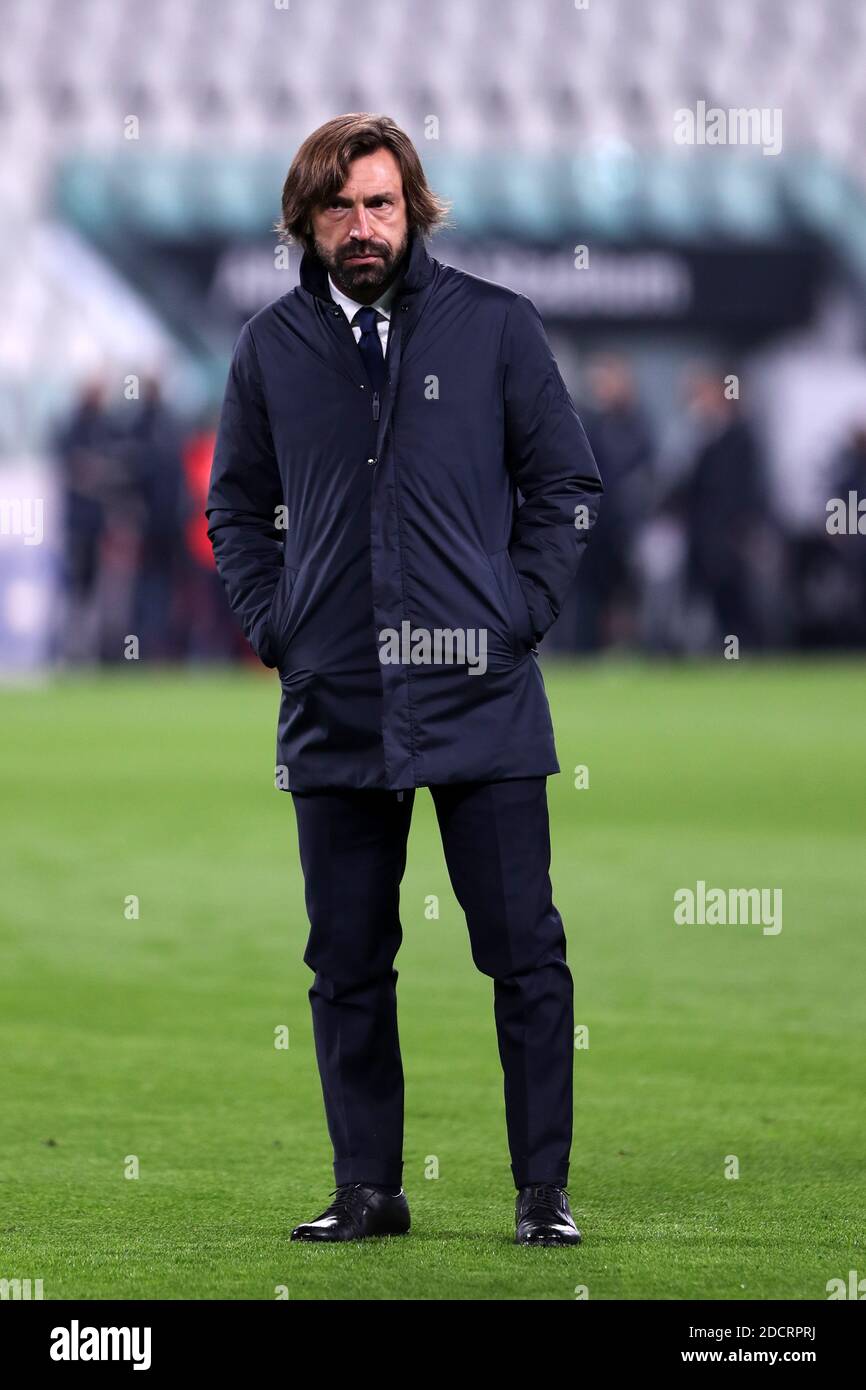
x: 154, y: 1037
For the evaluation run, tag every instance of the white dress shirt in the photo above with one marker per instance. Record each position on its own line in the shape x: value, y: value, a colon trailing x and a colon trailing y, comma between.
x: 350, y: 307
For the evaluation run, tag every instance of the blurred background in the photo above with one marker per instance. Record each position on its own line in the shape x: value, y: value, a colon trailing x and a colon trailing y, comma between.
x: 706, y: 298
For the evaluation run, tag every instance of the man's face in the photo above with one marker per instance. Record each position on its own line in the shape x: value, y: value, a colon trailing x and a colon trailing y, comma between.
x: 362, y: 233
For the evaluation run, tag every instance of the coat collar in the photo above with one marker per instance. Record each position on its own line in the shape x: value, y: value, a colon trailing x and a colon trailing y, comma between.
x: 413, y: 286
x: 418, y: 269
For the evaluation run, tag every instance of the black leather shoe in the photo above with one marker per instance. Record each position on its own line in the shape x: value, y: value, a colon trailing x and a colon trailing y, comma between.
x: 544, y: 1217
x: 358, y: 1211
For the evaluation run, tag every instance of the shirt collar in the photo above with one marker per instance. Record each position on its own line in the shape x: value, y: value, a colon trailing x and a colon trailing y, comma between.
x: 351, y: 306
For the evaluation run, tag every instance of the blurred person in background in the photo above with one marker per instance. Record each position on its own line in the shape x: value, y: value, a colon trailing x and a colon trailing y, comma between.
x: 84, y: 447
x: 844, y: 575
x: 619, y: 434
x: 723, y: 505
x: 152, y: 455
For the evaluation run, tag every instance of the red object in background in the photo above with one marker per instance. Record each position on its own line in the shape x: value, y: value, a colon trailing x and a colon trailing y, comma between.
x: 197, y: 460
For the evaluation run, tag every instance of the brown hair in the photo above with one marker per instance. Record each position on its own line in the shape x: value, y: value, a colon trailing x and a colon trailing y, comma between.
x: 321, y: 167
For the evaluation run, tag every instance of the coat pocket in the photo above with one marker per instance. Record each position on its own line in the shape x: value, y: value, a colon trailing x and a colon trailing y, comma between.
x: 512, y: 594
x: 279, y: 614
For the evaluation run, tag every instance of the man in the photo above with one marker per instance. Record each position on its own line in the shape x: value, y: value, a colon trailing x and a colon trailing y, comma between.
x: 619, y: 436
x: 387, y: 410
x: 723, y: 504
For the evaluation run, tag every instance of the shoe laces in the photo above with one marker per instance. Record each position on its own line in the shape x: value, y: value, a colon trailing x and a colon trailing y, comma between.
x: 346, y: 1198
x: 546, y: 1197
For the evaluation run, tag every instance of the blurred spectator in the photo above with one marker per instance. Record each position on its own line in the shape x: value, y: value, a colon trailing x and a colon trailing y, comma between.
x: 83, y: 448
x: 153, y: 446
x: 619, y: 434
x: 843, y: 563
x: 723, y: 505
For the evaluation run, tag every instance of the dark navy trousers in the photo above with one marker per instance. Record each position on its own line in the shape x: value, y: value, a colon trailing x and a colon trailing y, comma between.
x: 496, y: 841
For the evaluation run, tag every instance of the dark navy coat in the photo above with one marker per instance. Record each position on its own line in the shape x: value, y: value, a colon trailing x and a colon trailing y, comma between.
x: 341, y: 522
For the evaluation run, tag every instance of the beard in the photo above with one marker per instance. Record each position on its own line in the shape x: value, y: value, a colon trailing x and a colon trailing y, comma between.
x: 371, y: 279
